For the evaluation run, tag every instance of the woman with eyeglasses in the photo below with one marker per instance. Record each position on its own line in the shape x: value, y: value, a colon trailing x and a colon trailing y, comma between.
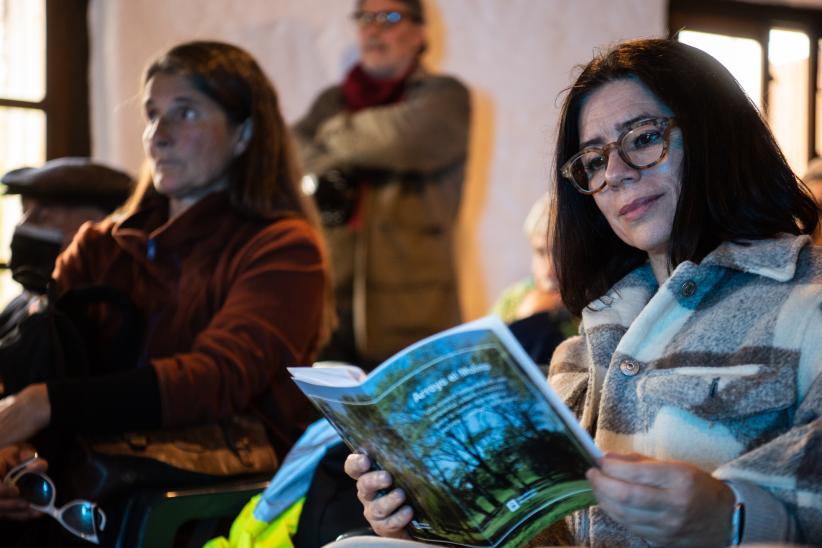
x: 682, y: 241
x: 221, y: 255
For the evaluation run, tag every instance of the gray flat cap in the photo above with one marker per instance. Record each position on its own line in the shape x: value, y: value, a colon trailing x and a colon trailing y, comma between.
x: 71, y: 180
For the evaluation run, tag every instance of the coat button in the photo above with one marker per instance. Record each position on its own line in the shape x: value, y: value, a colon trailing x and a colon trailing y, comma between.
x: 688, y: 288
x: 629, y: 368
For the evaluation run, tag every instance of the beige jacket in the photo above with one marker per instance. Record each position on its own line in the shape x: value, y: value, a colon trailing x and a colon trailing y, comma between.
x: 397, y: 271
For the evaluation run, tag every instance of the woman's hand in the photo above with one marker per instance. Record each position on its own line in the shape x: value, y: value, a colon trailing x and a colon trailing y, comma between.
x: 386, y: 514
x: 11, y: 505
x: 24, y: 414
x: 664, y: 502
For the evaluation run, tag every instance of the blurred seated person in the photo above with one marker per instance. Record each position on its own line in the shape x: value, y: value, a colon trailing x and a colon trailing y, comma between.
x: 813, y: 180
x: 56, y: 199
x: 533, y: 307
x: 222, y: 257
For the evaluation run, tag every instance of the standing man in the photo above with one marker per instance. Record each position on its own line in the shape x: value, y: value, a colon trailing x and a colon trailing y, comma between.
x: 388, y: 148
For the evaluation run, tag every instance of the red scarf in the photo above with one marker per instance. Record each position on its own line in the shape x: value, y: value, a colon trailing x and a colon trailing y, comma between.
x: 364, y: 91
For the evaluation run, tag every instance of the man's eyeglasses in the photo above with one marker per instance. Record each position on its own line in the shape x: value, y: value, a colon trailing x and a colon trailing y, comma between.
x: 79, y: 517
x: 643, y: 145
x: 381, y: 18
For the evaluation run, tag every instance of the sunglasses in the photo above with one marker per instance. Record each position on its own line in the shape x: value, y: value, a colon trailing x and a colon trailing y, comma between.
x: 79, y: 517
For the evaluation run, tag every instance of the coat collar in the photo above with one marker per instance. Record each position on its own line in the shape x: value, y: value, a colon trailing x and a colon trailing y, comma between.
x: 775, y: 258
x: 149, y: 233
x: 151, y: 220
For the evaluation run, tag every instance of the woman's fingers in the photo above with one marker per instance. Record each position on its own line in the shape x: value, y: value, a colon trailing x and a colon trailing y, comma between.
x: 395, y: 524
x: 24, y: 414
x: 356, y: 465
x: 621, y: 492
x: 18, y: 514
x: 10, y: 498
x: 38, y: 465
x: 383, y: 507
x: 387, y: 514
x: 12, y: 506
x: 23, y: 451
x: 26, y: 452
x: 665, y: 502
x: 370, y: 484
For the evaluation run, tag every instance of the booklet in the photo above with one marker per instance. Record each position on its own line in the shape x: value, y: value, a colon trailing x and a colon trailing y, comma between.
x: 466, y: 424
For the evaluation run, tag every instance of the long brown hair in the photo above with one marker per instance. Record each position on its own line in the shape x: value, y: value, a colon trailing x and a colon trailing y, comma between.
x: 264, y: 181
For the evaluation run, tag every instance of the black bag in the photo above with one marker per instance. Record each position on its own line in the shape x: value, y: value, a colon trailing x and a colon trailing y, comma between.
x: 45, y: 337
x: 95, y: 330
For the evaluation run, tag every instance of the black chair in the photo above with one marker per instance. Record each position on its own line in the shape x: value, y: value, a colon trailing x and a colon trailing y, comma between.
x: 153, y: 518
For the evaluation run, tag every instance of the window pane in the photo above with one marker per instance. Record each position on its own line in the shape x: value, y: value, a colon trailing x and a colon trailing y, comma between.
x: 10, y: 212
x: 22, y: 49
x: 741, y: 56
x: 788, y: 58
x: 22, y: 138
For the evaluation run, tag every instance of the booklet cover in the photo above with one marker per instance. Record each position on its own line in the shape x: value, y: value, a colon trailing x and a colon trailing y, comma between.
x: 466, y: 424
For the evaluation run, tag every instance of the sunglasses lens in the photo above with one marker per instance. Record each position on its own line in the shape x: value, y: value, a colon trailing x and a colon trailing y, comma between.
x: 82, y: 517
x: 35, y: 489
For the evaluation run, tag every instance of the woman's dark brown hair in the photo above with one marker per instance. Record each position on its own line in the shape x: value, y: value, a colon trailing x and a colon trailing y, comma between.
x: 736, y: 185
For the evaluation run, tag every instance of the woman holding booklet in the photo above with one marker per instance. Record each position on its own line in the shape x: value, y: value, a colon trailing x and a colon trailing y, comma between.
x: 682, y: 241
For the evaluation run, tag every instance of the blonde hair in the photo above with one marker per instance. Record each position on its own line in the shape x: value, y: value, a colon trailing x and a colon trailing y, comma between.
x: 538, y: 221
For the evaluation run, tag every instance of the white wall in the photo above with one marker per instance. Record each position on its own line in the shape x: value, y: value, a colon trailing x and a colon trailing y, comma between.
x: 516, y: 56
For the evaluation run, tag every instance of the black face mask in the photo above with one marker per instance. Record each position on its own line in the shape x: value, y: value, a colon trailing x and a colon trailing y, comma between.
x: 33, y: 252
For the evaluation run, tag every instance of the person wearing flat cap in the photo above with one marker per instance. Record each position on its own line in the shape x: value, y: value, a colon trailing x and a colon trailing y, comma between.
x: 57, y: 198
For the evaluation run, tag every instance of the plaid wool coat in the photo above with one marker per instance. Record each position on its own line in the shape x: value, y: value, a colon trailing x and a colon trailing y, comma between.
x: 719, y: 367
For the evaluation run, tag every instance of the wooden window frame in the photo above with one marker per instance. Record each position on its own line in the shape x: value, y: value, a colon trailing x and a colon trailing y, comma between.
x: 754, y: 21
x: 66, y: 101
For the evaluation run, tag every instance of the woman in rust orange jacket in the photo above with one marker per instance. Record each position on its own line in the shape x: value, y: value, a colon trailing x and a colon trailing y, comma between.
x: 220, y: 254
